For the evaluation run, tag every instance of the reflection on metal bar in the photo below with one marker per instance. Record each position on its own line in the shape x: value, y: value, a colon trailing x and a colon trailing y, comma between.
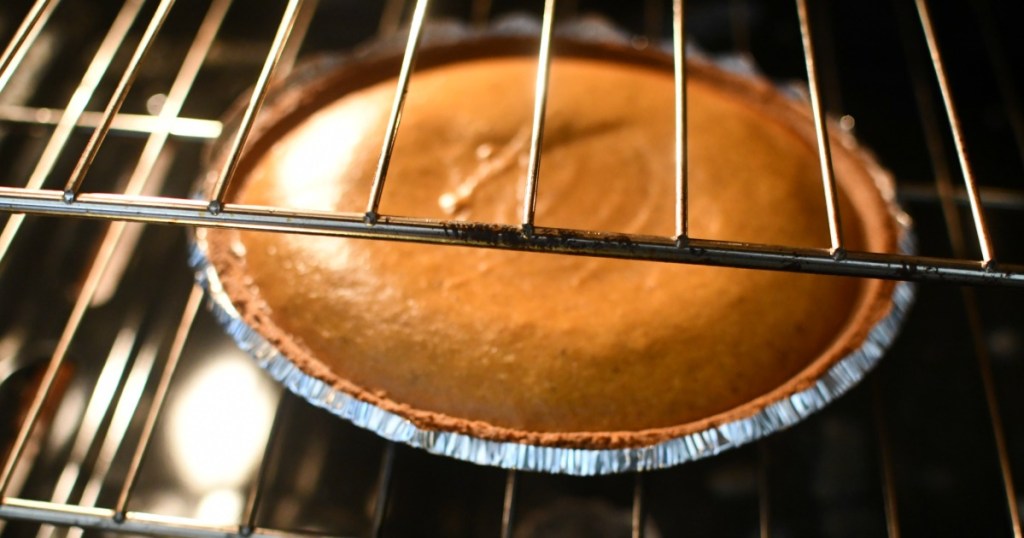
x: 401, y: 91
x: 131, y: 522
x: 294, y: 45
x: 700, y: 251
x: 679, y: 53
x: 1004, y: 78
x: 113, y: 374
x: 247, y: 523
x: 15, y: 357
x: 892, y: 516
x: 639, y: 517
x: 824, y: 152
x: 834, y: 93
x: 763, y: 491
x: 255, y: 494
x: 827, y: 64
x: 106, y: 251
x: 540, y: 103
x: 984, y: 241
x: 131, y: 395
x: 153, y: 164
x: 24, y: 37
x: 129, y: 123
x: 79, y: 99
x: 932, y: 137
x: 508, y: 505
x: 92, y: 148
x: 380, y: 504
x: 259, y: 92
x: 159, y: 396
x: 944, y: 185
x: 180, y: 89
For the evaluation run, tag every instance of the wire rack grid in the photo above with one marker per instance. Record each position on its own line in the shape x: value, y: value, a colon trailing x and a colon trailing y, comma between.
x: 216, y: 212
x: 142, y: 198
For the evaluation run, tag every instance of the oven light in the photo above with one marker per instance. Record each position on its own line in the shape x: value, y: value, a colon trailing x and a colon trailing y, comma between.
x: 222, y: 505
x: 219, y: 424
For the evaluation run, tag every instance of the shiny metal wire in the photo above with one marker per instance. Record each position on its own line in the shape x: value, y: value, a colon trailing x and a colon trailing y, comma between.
x: 828, y: 177
x: 33, y: 199
x: 401, y: 92
x: 182, y: 211
x: 259, y: 92
x: 130, y: 206
x: 540, y: 102
x: 958, y: 243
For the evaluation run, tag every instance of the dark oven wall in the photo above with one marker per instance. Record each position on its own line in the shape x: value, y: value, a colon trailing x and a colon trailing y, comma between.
x: 930, y: 444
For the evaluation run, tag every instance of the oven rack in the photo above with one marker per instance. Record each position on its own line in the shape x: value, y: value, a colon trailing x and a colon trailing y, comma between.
x: 132, y: 205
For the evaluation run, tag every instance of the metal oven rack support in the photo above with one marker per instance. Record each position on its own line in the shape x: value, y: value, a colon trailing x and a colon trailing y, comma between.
x: 216, y: 212
x: 134, y: 205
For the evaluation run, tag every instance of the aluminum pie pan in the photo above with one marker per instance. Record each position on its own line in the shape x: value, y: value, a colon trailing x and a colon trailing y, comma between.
x: 775, y: 416
x: 772, y: 417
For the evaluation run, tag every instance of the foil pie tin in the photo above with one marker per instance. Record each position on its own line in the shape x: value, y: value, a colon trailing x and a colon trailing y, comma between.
x: 772, y: 417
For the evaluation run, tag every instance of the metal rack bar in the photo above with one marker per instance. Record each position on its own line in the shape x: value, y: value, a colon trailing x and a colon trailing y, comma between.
x: 112, y: 376
x: 380, y: 503
x: 254, y: 497
x: 24, y: 37
x: 255, y: 494
x: 92, y: 148
x: 508, y: 505
x: 419, y: 16
x: 540, y: 103
x: 639, y: 514
x: 984, y: 240
x: 131, y: 395
x: 764, y: 521
x: 98, y: 66
x: 679, y: 60
x: 824, y: 151
x: 131, y: 522
x: 944, y: 185
x: 298, y: 38
x: 106, y: 252
x: 119, y: 514
x: 259, y: 93
x: 892, y: 515
x: 57, y: 359
x: 833, y: 91
x: 702, y: 251
x: 144, y: 177
x: 197, y: 128
x: 180, y: 88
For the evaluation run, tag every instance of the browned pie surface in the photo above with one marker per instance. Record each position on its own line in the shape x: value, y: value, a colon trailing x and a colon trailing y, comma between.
x: 547, y: 343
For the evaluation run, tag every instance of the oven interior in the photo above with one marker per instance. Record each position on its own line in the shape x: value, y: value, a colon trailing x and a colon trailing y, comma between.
x: 156, y: 424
